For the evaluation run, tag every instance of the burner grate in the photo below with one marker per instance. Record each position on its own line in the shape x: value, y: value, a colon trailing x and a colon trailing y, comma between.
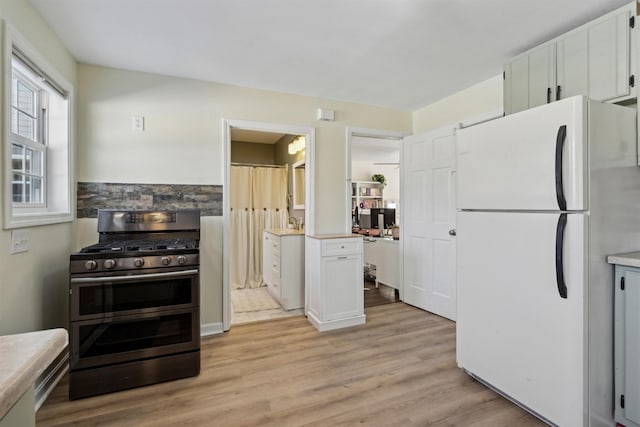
x: 141, y: 245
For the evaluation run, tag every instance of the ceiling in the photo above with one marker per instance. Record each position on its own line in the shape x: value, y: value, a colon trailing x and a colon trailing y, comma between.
x: 402, y: 54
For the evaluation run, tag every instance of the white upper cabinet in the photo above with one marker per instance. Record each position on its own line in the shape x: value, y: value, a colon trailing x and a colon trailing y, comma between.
x: 572, y: 66
x: 609, y: 57
x: 595, y: 60
x: 542, y: 64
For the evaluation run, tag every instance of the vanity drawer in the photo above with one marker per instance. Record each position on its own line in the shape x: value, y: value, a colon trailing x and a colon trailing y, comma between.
x: 275, y: 245
x: 331, y: 247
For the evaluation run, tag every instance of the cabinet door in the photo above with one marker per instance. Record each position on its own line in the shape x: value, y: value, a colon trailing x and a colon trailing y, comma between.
x: 572, y: 65
x: 516, y: 85
x: 632, y: 346
x: 343, y: 281
x: 542, y: 70
x: 609, y: 57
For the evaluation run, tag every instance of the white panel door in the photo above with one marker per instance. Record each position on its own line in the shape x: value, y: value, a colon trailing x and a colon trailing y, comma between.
x: 510, y: 163
x: 514, y: 329
x: 428, y: 222
x: 632, y: 347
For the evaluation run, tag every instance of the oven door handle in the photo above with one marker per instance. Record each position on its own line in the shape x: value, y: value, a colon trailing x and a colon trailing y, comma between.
x: 108, y: 279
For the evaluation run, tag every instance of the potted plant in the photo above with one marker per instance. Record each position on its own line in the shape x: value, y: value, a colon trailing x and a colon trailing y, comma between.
x: 379, y: 178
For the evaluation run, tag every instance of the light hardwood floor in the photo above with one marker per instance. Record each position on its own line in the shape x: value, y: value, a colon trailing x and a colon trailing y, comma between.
x: 396, y: 370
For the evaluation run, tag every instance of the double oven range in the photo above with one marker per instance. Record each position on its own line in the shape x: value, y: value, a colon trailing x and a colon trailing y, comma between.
x: 135, y: 302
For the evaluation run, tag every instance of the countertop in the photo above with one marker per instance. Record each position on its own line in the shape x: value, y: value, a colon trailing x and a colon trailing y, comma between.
x: 629, y: 259
x: 24, y: 357
x: 284, y: 231
x: 336, y: 236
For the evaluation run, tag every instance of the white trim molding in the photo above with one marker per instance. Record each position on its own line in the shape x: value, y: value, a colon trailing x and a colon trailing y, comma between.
x: 309, y: 212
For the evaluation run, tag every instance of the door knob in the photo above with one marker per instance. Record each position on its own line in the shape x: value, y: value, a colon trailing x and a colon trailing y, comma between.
x: 452, y: 232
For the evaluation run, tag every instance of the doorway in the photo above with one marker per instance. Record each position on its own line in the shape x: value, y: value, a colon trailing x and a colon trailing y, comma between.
x: 373, y: 156
x: 256, y: 159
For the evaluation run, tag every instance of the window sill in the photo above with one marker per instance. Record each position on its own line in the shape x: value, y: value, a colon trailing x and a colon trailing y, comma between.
x: 36, y: 219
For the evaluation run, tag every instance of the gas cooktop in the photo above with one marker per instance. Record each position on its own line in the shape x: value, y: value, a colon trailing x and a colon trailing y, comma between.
x: 141, y: 245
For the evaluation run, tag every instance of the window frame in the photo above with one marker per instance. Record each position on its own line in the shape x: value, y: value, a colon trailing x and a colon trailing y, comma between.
x: 41, y: 138
x: 58, y: 197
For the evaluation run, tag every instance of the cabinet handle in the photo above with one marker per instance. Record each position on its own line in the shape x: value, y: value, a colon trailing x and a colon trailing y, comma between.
x: 548, y: 95
x: 342, y: 257
x: 558, y: 92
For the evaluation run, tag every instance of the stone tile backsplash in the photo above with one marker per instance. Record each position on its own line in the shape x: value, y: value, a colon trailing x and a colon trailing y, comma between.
x: 97, y: 195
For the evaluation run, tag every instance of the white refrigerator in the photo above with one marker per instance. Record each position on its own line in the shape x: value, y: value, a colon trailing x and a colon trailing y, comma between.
x: 544, y: 196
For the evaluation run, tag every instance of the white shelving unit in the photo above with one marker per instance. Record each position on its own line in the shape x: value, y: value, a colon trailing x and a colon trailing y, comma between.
x: 366, y: 195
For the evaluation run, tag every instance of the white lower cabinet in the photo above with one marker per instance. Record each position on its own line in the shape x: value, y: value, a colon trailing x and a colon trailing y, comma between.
x: 627, y: 345
x: 385, y: 255
x: 335, y: 281
x: 283, y: 266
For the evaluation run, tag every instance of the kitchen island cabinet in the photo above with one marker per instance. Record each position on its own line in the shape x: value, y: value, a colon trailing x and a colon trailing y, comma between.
x: 335, y: 281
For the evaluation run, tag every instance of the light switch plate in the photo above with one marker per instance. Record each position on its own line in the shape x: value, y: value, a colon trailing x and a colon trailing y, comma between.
x: 19, y: 241
x: 137, y: 122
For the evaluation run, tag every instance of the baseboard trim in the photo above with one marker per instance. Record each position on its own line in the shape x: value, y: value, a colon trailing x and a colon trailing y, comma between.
x: 50, y: 378
x: 211, y: 329
x: 335, y: 324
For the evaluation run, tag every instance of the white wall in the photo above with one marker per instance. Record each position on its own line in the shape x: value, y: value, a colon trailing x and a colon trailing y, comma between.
x: 478, y: 100
x: 182, y: 144
x: 34, y: 284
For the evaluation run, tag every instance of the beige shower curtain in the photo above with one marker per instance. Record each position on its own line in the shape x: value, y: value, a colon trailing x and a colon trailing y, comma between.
x: 258, y: 201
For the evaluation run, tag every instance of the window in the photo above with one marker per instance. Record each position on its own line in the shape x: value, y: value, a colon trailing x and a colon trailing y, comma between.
x: 28, y: 137
x: 37, y: 142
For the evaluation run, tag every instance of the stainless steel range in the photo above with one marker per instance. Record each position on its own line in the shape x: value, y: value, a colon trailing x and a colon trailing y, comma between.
x: 135, y: 302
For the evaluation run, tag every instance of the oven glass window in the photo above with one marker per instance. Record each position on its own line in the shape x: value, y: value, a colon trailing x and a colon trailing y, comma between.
x: 141, y: 295
x: 117, y: 337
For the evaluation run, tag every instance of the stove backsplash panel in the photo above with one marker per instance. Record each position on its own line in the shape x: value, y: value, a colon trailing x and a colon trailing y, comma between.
x: 98, y: 195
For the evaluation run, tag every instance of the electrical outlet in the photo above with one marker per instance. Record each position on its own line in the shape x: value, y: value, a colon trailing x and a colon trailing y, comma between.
x: 19, y: 241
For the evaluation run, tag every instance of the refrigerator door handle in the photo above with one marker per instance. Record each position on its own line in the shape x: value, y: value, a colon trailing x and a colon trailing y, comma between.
x: 560, y: 138
x: 562, y: 287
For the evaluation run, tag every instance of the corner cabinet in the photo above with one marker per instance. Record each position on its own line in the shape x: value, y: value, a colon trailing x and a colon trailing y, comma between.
x: 595, y: 60
x: 627, y: 339
x: 283, y: 266
x: 335, y: 282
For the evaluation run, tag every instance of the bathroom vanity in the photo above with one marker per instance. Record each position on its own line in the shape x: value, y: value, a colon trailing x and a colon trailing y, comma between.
x: 283, y: 266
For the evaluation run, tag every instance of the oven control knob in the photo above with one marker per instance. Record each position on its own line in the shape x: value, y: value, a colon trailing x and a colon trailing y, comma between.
x: 91, y: 265
x: 182, y: 260
x: 165, y: 260
x: 109, y: 263
x: 138, y: 262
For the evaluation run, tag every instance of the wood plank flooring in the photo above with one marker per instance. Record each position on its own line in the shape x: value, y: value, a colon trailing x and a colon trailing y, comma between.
x: 396, y: 370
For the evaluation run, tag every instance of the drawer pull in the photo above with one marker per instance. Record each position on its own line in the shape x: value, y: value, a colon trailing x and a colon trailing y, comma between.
x: 342, y: 257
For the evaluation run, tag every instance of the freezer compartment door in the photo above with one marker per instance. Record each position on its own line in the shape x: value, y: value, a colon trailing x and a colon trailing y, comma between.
x: 532, y: 160
x: 515, y: 328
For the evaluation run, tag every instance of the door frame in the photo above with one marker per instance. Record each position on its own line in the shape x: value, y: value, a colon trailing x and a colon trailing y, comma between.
x: 309, y: 197
x: 379, y: 134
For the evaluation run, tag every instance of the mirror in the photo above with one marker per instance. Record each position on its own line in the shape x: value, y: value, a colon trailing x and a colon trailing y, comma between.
x: 298, y: 185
